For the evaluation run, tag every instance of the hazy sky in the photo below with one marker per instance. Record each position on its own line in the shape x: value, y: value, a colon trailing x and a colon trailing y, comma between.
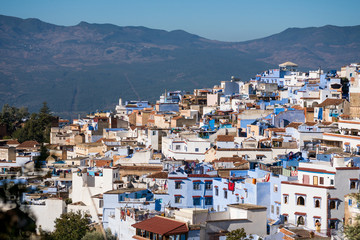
x: 227, y: 20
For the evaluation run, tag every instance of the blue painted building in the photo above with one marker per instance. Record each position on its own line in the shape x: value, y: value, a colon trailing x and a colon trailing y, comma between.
x: 188, y: 191
x: 167, y: 107
x: 284, y: 118
x: 136, y: 105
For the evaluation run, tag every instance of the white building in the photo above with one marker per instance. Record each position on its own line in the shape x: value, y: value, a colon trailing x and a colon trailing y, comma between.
x: 185, y: 149
x: 316, y: 199
x: 88, y: 187
x: 47, y: 212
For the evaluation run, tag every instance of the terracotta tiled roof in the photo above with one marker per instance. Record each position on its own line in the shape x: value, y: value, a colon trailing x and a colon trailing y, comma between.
x: 12, y: 142
x: 276, y: 129
x: 162, y: 175
x: 231, y: 159
x: 143, y: 168
x: 176, y: 118
x: 28, y: 144
x: 225, y: 138
x: 163, y: 226
x: 250, y: 104
x: 300, y: 213
x: 329, y: 102
x: 106, y: 140
x: 294, y: 124
x: 297, y: 107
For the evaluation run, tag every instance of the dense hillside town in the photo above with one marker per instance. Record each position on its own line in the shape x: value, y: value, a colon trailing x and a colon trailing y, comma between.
x: 277, y: 156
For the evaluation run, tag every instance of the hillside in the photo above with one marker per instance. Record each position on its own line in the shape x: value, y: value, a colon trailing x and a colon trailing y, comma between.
x: 89, y: 66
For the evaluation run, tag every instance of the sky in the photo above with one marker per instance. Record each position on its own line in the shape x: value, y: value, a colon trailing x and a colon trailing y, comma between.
x: 224, y: 20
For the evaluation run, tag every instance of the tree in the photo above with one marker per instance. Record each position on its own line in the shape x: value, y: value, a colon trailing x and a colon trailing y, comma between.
x: 93, y: 236
x: 238, y: 234
x: 12, y: 117
x: 16, y: 223
x: 71, y: 225
x: 352, y: 232
x: 99, y: 236
x: 42, y: 157
x: 37, y: 127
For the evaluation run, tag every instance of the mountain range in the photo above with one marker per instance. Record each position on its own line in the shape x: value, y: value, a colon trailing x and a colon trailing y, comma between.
x: 86, y: 67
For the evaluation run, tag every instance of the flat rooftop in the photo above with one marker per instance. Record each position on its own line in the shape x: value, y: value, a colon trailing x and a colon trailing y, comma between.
x: 247, y: 206
x: 124, y: 190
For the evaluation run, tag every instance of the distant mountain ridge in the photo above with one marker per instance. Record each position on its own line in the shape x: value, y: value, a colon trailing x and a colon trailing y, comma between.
x: 89, y: 66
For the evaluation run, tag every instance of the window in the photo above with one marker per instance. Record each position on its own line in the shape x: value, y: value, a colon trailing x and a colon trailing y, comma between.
x: 153, y: 133
x: 196, y: 149
x: 315, y: 180
x: 306, y: 179
x: 275, y: 188
x: 177, y: 199
x: 286, y: 199
x: 272, y: 208
x: 350, y: 202
x: 321, y: 180
x: 216, y: 191
x: 347, y: 148
x: 208, y: 185
x: 332, y: 182
x: 196, y: 201
x: 237, y: 198
x: 317, y: 203
x: 196, y: 186
x: 208, y: 201
x: 177, y: 147
x: 277, y: 210
x: 300, y: 220
x: 332, y: 204
x: 332, y: 225
x: 352, y: 185
x: 101, y: 203
x: 301, y: 201
x: 225, y: 193
x: 177, y: 185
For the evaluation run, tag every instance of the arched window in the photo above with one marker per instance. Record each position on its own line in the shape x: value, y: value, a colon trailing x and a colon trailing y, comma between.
x: 318, y: 225
x: 332, y: 204
x: 301, y: 201
x: 300, y: 220
x: 317, y: 203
